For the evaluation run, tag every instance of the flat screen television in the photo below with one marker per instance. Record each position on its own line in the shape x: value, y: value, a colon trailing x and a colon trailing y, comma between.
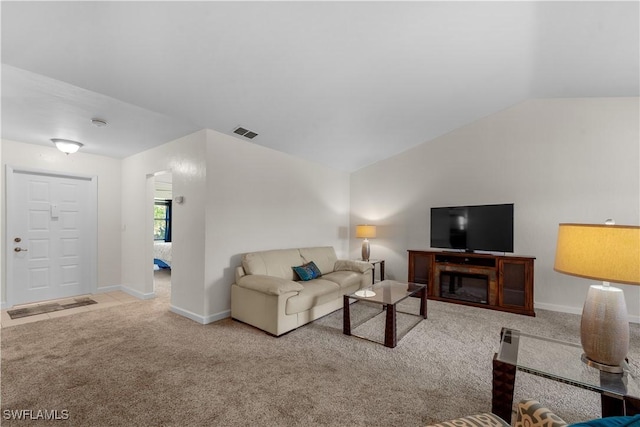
x: 473, y: 228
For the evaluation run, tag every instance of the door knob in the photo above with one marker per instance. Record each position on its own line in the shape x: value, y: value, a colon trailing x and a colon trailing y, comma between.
x: 20, y: 250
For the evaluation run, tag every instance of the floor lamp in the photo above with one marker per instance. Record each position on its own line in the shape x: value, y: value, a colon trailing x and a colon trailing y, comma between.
x: 610, y: 253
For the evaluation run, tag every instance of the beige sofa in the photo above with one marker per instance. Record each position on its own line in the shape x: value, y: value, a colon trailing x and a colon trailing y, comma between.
x: 269, y: 295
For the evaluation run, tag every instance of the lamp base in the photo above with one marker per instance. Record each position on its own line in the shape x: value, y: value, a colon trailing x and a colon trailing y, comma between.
x: 366, y: 250
x: 604, y: 328
x: 365, y: 293
x: 601, y: 366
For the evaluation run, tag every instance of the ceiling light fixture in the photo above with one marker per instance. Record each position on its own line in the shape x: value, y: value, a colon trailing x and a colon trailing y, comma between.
x: 99, y: 123
x: 67, y: 146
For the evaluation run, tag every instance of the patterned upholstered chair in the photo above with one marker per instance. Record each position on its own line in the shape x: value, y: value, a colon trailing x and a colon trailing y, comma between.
x: 530, y: 414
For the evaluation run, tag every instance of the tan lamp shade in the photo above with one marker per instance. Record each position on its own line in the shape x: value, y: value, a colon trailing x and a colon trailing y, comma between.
x: 610, y: 253
x: 365, y: 231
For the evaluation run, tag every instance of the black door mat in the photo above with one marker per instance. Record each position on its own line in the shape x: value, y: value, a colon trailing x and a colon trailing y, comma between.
x: 48, y: 308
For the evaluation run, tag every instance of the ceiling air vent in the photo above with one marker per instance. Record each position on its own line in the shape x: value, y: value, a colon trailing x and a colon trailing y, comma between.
x: 245, y: 132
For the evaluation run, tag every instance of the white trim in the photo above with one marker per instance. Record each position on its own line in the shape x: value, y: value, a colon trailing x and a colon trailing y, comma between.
x: 105, y: 289
x: 203, y: 320
x: 218, y: 316
x: 35, y: 171
x: 10, y: 171
x: 127, y: 290
x: 137, y: 294
x: 574, y: 310
x: 559, y: 308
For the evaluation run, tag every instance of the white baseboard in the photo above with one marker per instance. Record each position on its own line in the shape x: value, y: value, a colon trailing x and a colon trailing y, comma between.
x: 559, y: 308
x: 137, y: 294
x: 127, y: 290
x: 575, y: 310
x: 218, y: 316
x: 106, y: 289
x: 203, y: 320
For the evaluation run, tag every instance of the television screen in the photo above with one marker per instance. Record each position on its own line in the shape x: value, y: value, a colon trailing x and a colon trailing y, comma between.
x: 480, y: 228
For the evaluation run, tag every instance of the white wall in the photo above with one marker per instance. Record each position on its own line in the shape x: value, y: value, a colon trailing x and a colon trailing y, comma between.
x: 558, y: 160
x: 107, y: 170
x: 260, y: 199
x: 239, y: 197
x: 185, y: 158
x: 3, y: 295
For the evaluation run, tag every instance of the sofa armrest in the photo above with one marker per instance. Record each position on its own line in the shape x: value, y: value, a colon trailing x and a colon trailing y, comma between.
x: 351, y: 265
x: 532, y: 414
x: 268, y: 284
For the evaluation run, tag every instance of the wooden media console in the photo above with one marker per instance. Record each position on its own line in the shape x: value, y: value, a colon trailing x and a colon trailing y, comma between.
x: 498, y: 282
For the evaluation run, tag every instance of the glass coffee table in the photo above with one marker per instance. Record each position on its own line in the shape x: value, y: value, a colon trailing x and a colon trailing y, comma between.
x: 558, y: 361
x: 388, y: 294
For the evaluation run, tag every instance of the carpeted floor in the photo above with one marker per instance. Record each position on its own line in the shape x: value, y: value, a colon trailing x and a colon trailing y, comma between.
x: 140, y: 365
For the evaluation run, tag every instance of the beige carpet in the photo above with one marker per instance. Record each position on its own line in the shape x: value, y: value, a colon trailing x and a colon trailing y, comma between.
x: 139, y: 364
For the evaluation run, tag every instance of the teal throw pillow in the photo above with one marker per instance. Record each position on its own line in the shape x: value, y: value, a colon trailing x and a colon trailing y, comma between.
x: 307, y: 271
x: 316, y: 271
x: 611, y: 422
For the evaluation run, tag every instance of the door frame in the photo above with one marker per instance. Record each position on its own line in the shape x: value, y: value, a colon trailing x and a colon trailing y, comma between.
x: 92, y: 233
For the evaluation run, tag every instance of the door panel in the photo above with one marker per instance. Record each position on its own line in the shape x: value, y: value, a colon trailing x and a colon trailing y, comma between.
x: 51, y: 228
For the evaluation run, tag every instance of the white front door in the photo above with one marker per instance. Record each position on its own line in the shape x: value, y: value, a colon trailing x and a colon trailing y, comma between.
x: 51, y: 232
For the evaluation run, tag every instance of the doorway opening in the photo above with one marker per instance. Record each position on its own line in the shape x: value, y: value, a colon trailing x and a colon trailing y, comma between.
x: 162, y: 234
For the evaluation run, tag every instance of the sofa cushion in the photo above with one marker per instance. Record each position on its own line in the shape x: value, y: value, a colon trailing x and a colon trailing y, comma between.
x: 275, y: 263
x: 315, y: 292
x: 324, y: 257
x: 344, y: 278
x: 307, y: 271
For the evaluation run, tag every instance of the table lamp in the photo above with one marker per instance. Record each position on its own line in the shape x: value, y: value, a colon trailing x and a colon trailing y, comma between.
x: 365, y: 232
x: 610, y: 253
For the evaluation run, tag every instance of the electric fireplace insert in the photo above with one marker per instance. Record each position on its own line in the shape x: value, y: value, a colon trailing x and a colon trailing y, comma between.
x: 464, y: 286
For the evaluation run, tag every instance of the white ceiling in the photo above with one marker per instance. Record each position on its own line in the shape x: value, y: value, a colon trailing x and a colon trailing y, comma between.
x: 341, y: 83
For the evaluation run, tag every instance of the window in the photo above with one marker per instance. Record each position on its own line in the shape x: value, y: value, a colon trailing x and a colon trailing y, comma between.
x: 162, y: 220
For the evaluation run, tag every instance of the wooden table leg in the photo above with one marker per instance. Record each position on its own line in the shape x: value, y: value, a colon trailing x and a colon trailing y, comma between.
x: 504, y: 378
x: 346, y: 316
x: 611, y: 406
x: 423, y: 303
x: 390, y: 334
x: 631, y: 405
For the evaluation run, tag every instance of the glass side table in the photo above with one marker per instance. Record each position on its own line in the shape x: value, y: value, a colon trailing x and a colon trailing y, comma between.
x: 374, y: 262
x: 558, y: 361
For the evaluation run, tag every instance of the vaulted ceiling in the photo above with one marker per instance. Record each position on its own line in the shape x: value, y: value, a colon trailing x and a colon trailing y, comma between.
x: 342, y: 83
